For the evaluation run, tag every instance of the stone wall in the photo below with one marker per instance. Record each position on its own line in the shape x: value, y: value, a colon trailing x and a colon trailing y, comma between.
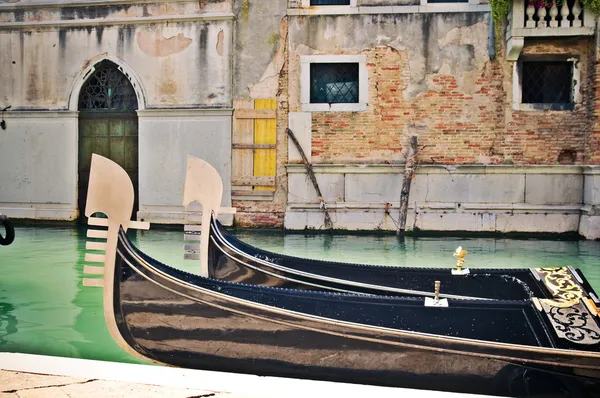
x: 491, y: 198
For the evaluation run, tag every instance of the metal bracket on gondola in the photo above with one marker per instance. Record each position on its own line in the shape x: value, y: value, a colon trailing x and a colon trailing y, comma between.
x: 591, y: 306
x: 436, y: 301
x: 193, y: 230
x: 101, y: 246
x: 460, y: 255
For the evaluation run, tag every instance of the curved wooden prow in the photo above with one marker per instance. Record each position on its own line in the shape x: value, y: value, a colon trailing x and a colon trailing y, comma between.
x: 203, y: 184
x: 110, y: 191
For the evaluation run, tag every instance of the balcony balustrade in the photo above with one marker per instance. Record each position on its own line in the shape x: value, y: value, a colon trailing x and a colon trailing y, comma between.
x: 546, y: 18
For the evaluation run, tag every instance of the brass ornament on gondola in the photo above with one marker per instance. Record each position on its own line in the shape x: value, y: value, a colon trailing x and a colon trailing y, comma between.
x: 460, y: 254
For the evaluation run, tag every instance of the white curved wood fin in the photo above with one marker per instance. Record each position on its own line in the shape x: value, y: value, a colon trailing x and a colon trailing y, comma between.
x: 203, y: 184
x: 110, y: 191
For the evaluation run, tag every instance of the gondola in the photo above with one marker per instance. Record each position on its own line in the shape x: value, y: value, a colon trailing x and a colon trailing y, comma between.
x: 533, y: 347
x: 233, y: 260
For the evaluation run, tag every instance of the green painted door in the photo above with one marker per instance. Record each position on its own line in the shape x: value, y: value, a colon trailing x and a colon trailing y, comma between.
x: 113, y: 135
x: 108, y: 125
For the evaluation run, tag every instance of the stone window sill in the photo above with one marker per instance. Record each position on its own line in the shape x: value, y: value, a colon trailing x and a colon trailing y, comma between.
x: 543, y: 107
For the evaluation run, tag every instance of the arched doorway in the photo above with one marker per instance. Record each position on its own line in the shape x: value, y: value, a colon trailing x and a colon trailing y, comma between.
x: 108, y: 125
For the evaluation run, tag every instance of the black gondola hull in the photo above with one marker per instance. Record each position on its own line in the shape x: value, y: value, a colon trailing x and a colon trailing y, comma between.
x: 235, y: 261
x: 185, y: 320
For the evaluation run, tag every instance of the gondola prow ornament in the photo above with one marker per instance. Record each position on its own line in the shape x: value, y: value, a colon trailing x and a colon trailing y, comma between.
x: 203, y: 185
x: 110, y: 192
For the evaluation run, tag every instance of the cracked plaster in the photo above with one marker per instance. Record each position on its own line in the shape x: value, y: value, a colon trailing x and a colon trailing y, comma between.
x: 435, y: 44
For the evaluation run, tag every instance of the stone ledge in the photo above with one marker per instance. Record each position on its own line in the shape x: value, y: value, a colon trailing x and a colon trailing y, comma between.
x: 434, y: 169
x: 78, y: 3
x: 183, y: 112
x: 214, y: 16
x: 445, y: 207
x: 32, y: 113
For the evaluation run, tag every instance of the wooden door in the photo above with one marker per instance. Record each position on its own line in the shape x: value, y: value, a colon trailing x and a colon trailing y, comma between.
x: 113, y: 135
x: 254, y: 142
x: 108, y: 125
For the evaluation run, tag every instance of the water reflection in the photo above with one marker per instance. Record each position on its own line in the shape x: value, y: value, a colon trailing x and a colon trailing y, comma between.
x: 8, y: 322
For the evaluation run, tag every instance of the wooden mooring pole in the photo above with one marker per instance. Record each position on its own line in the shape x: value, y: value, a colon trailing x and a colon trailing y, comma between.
x: 311, y: 175
x: 409, y: 172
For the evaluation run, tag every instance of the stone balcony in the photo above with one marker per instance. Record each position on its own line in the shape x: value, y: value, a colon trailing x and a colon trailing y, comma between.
x: 568, y: 18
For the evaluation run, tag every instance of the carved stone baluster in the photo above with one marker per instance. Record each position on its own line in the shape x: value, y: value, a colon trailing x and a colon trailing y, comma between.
x: 529, y: 11
x: 553, y: 15
x: 541, y: 13
x: 564, y: 13
x: 576, y: 12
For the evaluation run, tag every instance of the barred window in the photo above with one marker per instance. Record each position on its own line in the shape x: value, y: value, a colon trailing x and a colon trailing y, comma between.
x: 334, y: 83
x: 547, y: 82
x: 329, y: 2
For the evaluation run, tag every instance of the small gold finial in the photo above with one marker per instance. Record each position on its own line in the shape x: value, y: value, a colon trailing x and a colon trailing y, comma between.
x: 437, y: 291
x: 460, y: 255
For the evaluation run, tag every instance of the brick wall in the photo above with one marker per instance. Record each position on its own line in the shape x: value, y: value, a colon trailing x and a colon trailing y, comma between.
x: 458, y: 120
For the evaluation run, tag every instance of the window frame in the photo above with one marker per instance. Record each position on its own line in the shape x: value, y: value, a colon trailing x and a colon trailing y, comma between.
x: 306, y: 4
x: 518, y: 103
x: 305, y: 83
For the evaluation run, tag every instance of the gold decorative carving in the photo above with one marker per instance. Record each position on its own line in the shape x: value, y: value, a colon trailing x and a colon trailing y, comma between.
x: 562, y: 285
x: 566, y: 311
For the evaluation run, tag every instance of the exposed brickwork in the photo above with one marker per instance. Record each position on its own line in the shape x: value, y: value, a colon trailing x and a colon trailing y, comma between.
x: 593, y: 139
x: 259, y: 219
x: 458, y: 122
x: 549, y: 137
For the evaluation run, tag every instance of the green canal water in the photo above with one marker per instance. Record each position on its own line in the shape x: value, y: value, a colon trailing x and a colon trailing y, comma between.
x: 44, y: 309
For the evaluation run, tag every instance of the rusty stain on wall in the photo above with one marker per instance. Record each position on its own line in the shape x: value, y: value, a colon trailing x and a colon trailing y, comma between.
x: 156, y: 45
x: 245, y: 10
x: 93, y: 60
x: 167, y: 86
x: 220, y: 42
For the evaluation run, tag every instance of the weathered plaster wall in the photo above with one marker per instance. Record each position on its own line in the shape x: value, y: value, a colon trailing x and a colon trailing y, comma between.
x: 205, y: 134
x: 39, y: 172
x: 260, y: 34
x: 177, y: 52
x: 180, y: 64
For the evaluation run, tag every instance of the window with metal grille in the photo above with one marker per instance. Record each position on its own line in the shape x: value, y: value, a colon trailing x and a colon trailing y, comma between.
x: 107, y: 89
x: 329, y: 2
x: 332, y: 83
x: 547, y: 82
